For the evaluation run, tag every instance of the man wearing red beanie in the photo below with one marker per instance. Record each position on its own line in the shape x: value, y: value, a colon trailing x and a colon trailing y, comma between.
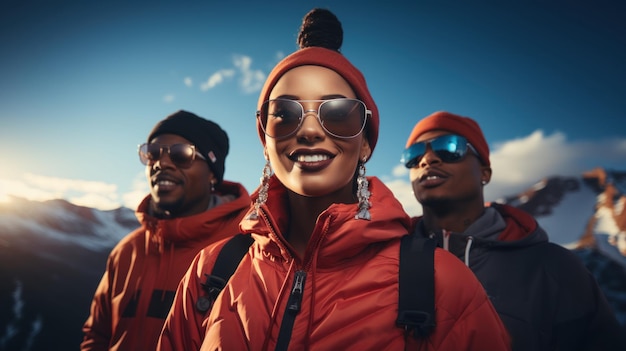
x: 543, y: 293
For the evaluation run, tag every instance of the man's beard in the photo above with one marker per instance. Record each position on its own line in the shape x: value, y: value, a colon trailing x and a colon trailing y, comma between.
x: 440, y: 205
x: 166, y: 210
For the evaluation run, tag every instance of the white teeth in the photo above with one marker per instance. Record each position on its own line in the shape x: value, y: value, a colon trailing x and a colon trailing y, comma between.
x: 432, y: 177
x: 165, y: 182
x: 312, y: 158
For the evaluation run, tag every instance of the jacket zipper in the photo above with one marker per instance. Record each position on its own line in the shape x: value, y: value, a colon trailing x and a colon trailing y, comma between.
x: 294, y: 305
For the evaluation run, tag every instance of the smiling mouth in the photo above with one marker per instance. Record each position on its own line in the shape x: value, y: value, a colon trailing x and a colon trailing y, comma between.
x: 311, y: 158
x: 431, y: 177
x: 165, y: 183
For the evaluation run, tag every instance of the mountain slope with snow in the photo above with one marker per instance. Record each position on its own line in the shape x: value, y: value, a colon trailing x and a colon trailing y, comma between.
x: 580, y: 212
x: 52, y: 256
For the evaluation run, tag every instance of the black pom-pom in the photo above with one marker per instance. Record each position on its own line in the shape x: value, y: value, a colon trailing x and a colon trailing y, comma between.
x: 321, y: 28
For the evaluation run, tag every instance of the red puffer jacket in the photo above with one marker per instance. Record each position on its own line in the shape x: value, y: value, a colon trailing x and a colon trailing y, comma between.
x: 349, y: 277
x: 143, y: 271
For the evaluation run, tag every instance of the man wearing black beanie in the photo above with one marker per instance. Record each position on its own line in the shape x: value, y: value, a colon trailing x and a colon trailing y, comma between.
x: 190, y: 206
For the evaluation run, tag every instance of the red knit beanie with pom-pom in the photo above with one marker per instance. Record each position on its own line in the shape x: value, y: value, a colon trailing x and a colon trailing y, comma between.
x: 329, y: 58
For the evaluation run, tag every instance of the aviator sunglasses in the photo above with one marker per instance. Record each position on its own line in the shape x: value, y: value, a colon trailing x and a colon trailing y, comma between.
x: 182, y: 155
x: 341, y: 118
x: 449, y: 148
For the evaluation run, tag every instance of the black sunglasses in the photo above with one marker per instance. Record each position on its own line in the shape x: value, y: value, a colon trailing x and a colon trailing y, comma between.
x: 341, y: 118
x: 182, y: 155
x: 449, y: 148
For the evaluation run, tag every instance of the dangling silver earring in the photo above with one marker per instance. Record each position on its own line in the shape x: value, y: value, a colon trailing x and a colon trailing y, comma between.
x: 212, y: 185
x: 363, y: 193
x: 484, y: 182
x: 265, y: 183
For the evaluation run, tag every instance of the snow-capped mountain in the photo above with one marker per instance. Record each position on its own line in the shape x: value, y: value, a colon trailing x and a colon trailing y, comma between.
x: 52, y: 256
x: 587, y: 211
x: 53, y: 253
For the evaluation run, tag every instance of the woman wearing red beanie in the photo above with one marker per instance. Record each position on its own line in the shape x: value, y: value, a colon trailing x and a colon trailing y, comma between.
x: 322, y: 273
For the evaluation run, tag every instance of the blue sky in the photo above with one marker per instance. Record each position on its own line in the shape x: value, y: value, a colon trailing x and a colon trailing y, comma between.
x: 83, y: 82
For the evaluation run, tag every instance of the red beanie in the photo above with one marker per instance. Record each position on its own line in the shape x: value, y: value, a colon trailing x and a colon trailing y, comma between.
x: 318, y: 56
x: 463, y: 126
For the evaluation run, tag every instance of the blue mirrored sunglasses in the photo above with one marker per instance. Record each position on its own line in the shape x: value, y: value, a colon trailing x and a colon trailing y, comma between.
x: 449, y: 148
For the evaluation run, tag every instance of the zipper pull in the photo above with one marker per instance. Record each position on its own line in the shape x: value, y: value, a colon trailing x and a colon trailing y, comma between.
x: 295, y: 299
x: 293, y: 307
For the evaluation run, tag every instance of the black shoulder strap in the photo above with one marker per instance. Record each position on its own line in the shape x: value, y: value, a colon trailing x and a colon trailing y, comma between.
x: 225, y: 265
x: 416, y: 305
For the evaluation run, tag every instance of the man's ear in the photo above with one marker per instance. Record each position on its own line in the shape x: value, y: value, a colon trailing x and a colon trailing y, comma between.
x: 485, y: 174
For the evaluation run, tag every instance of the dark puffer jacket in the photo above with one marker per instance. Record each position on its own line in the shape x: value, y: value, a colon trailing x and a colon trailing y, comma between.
x: 544, y: 294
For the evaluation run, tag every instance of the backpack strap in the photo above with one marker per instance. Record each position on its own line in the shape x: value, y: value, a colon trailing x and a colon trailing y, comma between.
x: 225, y: 265
x: 416, y: 302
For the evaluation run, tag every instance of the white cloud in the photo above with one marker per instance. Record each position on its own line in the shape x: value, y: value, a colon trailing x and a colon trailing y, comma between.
x: 169, y: 98
x: 519, y: 163
x: 19, y: 188
x: 140, y: 189
x: 251, y: 80
x: 242, y: 62
x: 64, y: 185
x: 537, y: 153
x: 100, y: 195
x: 188, y: 81
x: 217, y: 78
x: 35, y: 187
x: 400, y: 171
x: 403, y: 191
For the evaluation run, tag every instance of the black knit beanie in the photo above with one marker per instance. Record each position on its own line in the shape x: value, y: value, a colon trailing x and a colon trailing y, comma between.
x: 210, y: 140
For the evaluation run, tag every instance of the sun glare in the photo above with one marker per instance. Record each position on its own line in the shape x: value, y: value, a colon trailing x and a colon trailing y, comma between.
x: 4, y: 194
x: 4, y: 198
x: 10, y: 189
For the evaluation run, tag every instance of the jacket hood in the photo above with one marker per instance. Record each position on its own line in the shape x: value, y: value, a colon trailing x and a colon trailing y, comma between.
x: 518, y: 228
x: 521, y: 228
x: 338, y: 236
x: 500, y: 227
x: 183, y: 231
